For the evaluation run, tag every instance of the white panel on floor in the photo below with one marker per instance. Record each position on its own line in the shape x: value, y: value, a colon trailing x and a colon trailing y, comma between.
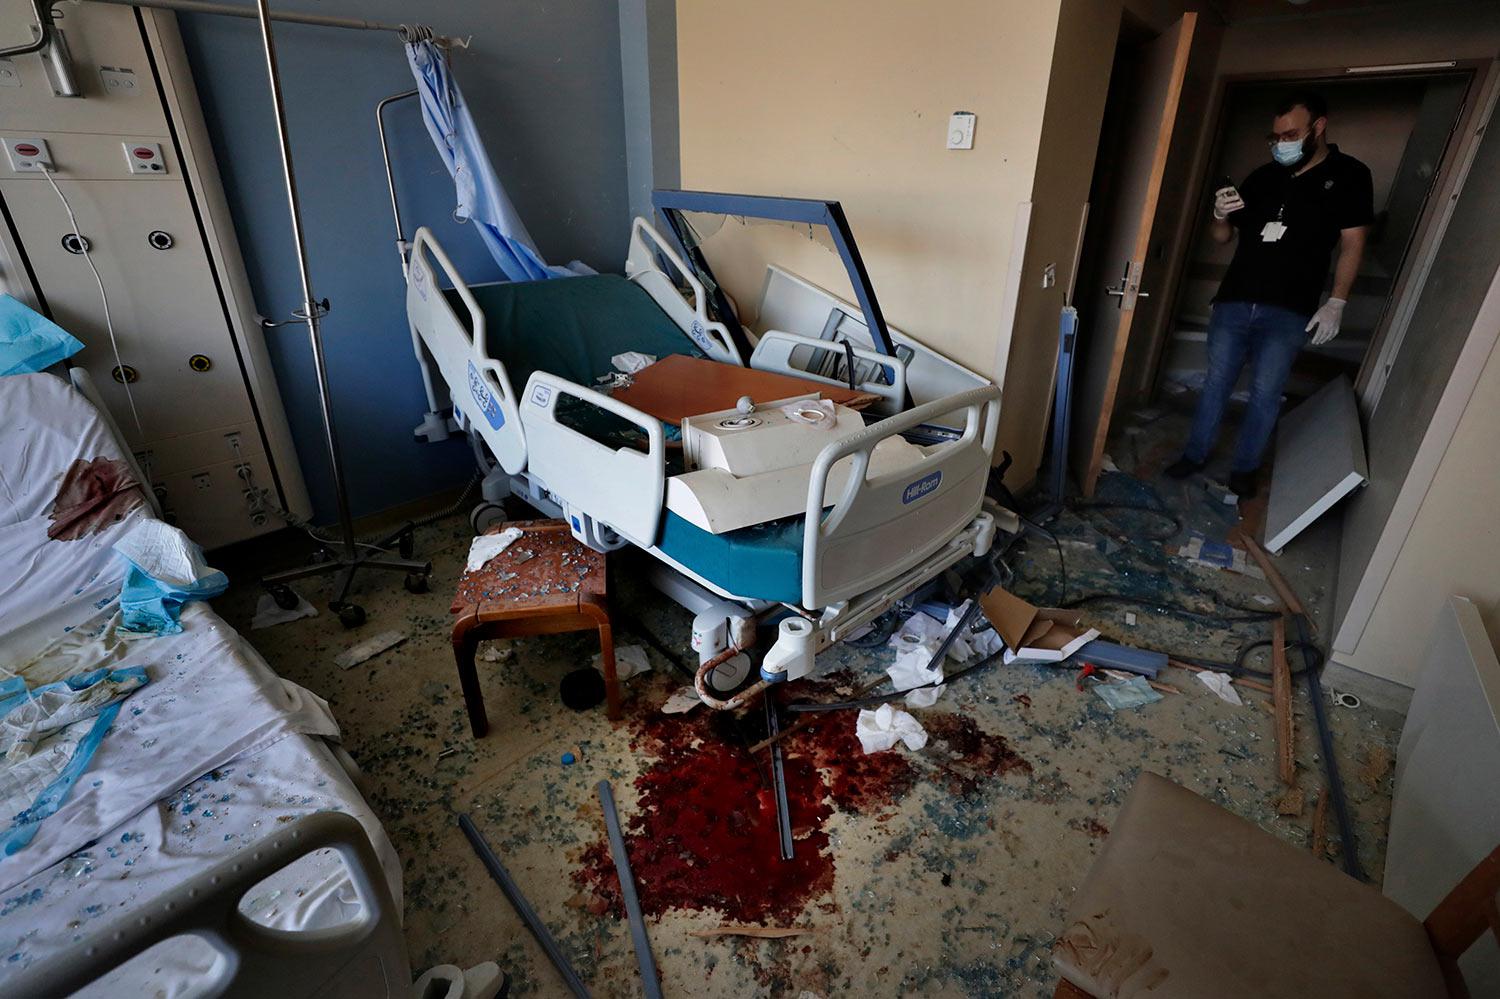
x: 1320, y: 459
x: 1445, y: 814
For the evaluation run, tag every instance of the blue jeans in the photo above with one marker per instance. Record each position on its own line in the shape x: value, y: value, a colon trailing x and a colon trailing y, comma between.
x: 1268, y: 337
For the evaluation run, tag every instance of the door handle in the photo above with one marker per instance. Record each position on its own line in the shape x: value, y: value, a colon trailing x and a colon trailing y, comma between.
x: 1130, y: 285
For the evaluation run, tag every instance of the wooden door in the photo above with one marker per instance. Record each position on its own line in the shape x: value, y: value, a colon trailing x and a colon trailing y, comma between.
x: 1155, y: 83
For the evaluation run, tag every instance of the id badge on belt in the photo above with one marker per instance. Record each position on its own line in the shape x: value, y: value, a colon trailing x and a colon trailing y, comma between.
x: 1272, y: 231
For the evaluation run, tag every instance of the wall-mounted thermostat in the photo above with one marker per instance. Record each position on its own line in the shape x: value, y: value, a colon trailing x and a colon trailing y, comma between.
x: 144, y: 157
x: 961, y: 130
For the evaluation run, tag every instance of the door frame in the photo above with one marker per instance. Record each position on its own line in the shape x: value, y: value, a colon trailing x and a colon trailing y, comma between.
x: 1421, y: 247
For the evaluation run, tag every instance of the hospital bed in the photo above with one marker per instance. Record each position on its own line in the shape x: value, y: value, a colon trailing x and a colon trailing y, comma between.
x: 201, y: 771
x: 880, y: 506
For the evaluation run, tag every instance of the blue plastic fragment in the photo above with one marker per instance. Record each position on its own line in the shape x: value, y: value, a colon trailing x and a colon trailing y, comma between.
x: 569, y: 759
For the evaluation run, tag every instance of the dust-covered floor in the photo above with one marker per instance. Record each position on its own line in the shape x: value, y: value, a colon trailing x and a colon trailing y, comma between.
x: 946, y: 871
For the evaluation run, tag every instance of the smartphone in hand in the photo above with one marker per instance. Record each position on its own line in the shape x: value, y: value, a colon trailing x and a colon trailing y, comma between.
x: 1227, y: 199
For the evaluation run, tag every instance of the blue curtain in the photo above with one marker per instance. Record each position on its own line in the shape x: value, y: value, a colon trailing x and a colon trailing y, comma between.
x: 482, y: 202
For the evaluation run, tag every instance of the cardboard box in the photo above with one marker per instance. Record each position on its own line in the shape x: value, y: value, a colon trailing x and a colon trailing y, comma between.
x: 1033, y: 634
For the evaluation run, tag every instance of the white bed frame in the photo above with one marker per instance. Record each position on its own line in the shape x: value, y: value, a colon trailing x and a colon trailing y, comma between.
x: 884, y: 536
x: 364, y: 957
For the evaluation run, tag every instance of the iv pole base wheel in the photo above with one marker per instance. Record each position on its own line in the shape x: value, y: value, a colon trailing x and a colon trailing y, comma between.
x: 351, y: 615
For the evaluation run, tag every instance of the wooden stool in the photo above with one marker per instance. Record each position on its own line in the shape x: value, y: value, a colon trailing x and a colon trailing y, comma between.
x: 544, y: 583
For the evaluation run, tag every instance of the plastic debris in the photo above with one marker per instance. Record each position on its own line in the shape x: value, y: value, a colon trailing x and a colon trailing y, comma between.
x: 1220, y: 684
x: 1130, y: 694
x: 372, y: 646
x: 1199, y: 550
x: 487, y: 546
x: 881, y: 729
x: 568, y: 759
x: 268, y: 613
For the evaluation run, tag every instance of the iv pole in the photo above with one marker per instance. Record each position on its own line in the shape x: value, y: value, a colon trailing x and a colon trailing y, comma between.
x: 351, y: 555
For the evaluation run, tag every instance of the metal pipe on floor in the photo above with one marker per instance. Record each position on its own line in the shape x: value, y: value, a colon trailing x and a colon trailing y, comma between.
x: 650, y: 980
x: 1350, y: 851
x: 523, y: 908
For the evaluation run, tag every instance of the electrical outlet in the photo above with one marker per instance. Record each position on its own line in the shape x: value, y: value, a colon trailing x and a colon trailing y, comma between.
x: 1049, y: 275
x: 202, y: 482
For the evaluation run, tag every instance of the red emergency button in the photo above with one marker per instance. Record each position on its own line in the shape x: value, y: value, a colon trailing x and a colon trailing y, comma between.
x: 142, y: 153
x: 26, y: 149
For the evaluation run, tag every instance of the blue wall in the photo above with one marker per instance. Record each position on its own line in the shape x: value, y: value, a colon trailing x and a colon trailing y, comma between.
x: 543, y: 82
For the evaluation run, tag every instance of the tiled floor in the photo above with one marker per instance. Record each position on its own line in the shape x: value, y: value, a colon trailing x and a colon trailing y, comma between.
x: 945, y: 872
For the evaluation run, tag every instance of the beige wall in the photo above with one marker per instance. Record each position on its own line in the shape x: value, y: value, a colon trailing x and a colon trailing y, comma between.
x: 849, y: 100
x: 1453, y: 546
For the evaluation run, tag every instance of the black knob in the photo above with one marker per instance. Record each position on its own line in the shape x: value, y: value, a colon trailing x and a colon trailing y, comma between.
x: 200, y: 362
x: 160, y: 240
x: 75, y: 243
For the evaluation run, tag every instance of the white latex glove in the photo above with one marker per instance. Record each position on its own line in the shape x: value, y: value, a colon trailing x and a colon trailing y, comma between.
x: 1226, y: 201
x: 1324, y: 325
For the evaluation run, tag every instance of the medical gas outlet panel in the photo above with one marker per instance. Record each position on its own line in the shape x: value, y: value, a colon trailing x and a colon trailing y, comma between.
x: 172, y: 340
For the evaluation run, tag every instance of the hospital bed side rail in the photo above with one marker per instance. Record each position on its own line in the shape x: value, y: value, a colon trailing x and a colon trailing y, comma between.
x: 879, y: 527
x: 479, y: 383
x: 363, y: 957
x: 621, y: 487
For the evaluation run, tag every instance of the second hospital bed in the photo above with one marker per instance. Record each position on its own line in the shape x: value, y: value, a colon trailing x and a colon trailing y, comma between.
x: 517, y: 366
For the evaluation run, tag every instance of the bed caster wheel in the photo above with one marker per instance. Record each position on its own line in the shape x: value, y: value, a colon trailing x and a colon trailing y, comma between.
x: 351, y: 615
x: 486, y: 515
x: 406, y: 544
x: 284, y: 597
x: 416, y: 582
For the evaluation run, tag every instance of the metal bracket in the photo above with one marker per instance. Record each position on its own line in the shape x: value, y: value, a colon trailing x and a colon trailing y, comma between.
x: 299, y: 316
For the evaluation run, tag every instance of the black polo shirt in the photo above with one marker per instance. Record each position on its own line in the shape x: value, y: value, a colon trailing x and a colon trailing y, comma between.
x: 1314, y: 206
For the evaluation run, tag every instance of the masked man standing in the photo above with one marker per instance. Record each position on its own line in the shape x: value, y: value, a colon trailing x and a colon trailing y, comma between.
x: 1288, y: 216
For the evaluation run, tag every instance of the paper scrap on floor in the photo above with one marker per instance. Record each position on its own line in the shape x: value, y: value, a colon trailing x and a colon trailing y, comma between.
x: 268, y: 613
x: 1218, y: 555
x: 487, y: 546
x: 1032, y: 634
x: 911, y: 670
x: 683, y: 700
x: 881, y: 729
x: 1130, y: 693
x: 629, y: 661
x: 372, y: 646
x: 1220, y: 684
x: 926, y: 628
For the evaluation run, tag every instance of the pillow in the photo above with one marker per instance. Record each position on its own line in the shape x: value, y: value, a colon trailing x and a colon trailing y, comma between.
x: 29, y: 341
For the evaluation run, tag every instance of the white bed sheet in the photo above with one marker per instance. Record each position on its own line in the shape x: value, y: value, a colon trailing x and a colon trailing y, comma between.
x: 144, y: 815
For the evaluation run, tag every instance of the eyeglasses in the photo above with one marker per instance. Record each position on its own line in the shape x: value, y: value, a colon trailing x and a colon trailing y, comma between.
x: 1291, y: 135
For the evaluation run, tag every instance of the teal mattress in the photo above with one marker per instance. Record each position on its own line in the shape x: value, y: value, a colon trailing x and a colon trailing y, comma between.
x: 763, y: 561
x: 572, y: 327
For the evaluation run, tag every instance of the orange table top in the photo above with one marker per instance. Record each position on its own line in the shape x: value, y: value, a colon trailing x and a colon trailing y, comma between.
x: 678, y: 386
